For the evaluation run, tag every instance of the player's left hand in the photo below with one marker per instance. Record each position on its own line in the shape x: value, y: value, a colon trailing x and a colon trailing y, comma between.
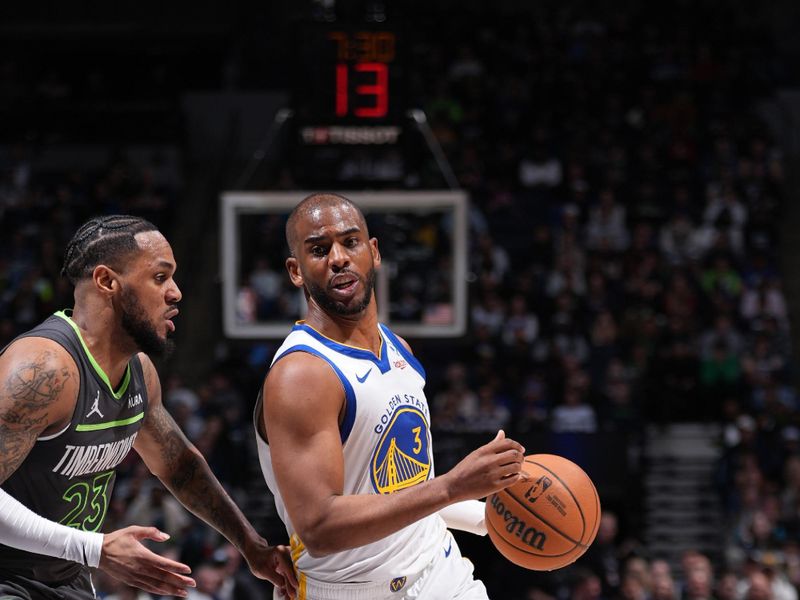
x: 274, y: 563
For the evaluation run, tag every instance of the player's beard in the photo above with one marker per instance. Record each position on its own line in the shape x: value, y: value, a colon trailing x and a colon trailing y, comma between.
x: 142, y: 332
x: 328, y: 304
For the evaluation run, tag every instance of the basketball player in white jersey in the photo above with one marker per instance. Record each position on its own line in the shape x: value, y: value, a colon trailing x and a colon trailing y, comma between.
x: 343, y: 433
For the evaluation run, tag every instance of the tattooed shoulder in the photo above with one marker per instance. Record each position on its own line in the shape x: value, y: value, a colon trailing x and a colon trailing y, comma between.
x: 33, y: 381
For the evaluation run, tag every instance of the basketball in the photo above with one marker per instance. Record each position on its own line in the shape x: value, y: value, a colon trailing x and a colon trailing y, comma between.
x: 550, y: 520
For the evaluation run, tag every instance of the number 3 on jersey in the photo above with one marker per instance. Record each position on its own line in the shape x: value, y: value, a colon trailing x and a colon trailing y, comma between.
x: 402, y: 455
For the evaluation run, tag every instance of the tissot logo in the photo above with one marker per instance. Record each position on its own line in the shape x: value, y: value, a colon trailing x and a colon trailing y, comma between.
x: 352, y: 135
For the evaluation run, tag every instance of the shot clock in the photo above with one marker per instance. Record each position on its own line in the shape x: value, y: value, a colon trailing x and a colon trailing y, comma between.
x: 349, y: 104
x: 363, y: 63
x: 348, y: 74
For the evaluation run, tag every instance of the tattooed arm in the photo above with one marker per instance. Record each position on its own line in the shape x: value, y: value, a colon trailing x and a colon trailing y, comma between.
x: 182, y: 469
x: 39, y: 385
x: 38, y: 390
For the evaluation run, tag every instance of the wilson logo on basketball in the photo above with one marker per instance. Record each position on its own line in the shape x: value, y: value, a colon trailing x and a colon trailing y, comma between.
x: 516, y: 526
x: 538, y: 488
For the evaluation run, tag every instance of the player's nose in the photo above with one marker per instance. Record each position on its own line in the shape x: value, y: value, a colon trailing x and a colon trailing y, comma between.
x: 338, y: 257
x: 174, y: 294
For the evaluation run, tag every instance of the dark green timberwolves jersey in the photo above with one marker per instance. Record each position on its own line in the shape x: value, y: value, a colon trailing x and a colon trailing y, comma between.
x: 69, y: 475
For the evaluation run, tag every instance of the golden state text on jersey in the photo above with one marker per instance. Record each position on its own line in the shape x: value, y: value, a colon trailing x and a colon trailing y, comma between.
x: 386, y: 447
x: 402, y: 456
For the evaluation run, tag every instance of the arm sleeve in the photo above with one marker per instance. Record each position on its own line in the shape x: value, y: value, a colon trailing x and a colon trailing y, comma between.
x: 23, y: 529
x: 469, y: 515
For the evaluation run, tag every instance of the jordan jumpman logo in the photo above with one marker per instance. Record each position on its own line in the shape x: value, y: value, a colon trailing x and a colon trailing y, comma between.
x: 95, y: 406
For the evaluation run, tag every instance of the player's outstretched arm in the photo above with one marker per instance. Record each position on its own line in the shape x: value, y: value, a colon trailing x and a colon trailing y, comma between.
x: 127, y: 559
x: 120, y: 553
x: 38, y: 390
x: 303, y: 399
x: 182, y: 469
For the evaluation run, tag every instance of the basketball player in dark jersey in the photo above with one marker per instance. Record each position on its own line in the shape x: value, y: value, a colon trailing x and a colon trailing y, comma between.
x: 77, y: 393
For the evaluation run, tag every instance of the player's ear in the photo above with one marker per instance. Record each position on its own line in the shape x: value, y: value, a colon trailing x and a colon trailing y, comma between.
x: 105, y: 279
x: 294, y: 271
x: 376, y: 254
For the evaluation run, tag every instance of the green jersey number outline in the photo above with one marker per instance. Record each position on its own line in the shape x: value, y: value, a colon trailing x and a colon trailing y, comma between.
x: 78, y: 496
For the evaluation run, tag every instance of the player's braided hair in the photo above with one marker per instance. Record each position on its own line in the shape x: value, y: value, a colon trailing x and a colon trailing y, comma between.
x: 102, y: 240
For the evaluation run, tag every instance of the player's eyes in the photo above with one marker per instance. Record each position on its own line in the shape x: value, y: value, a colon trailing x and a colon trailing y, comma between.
x: 318, y: 251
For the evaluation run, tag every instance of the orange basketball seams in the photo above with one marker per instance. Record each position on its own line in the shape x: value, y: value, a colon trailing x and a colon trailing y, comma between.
x: 550, y: 520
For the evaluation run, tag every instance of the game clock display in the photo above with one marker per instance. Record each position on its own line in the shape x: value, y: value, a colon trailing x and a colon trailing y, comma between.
x: 347, y: 75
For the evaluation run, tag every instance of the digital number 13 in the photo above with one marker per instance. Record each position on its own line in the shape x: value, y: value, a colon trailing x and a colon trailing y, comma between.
x: 378, y: 88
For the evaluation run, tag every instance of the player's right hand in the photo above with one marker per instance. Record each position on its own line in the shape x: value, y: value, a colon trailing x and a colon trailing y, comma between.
x: 486, y: 470
x: 124, y: 557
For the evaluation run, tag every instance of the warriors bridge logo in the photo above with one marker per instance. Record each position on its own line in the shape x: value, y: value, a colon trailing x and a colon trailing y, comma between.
x: 402, y: 456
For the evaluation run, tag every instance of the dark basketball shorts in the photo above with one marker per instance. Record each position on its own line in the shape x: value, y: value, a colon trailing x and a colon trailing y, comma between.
x: 17, y: 587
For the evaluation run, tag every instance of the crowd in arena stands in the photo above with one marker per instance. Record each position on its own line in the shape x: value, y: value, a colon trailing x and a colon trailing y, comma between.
x: 621, y: 569
x: 40, y: 209
x: 624, y: 257
x: 627, y: 273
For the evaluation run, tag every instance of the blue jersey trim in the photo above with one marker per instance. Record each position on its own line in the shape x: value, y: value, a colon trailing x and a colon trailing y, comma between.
x: 381, y: 362
x: 401, y: 348
x: 350, y: 397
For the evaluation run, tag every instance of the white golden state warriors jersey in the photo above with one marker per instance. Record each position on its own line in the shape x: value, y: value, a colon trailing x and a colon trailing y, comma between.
x: 387, y: 447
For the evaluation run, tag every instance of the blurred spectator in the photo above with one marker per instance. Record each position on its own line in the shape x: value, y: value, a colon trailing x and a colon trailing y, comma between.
x: 586, y: 586
x: 566, y: 277
x: 632, y: 588
x: 457, y: 399
x: 720, y: 277
x: 764, y: 301
x: 267, y: 283
x: 491, y: 260
x: 154, y: 506
x: 521, y: 325
x: 492, y: 414
x: 236, y: 582
x: 762, y: 364
x: 722, y: 334
x: 490, y: 312
x: 758, y: 587
x: 209, y: 581
x: 727, y: 586
x: 606, y: 229
x: 533, y: 411
x: 574, y: 414
x: 678, y: 240
x: 620, y: 407
x: 539, y: 168
x: 662, y: 584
